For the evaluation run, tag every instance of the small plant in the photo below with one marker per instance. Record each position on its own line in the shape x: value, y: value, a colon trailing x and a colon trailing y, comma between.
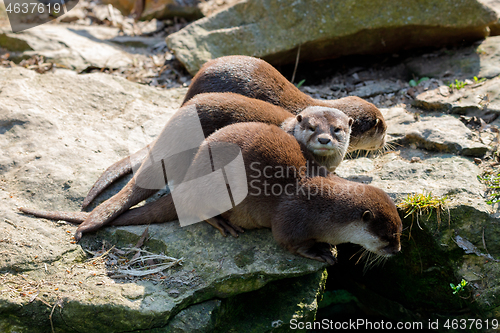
x: 414, y: 83
x: 298, y: 85
x: 492, y: 181
x: 458, y: 84
x: 459, y: 287
x: 422, y: 204
x: 476, y: 80
x: 461, y: 84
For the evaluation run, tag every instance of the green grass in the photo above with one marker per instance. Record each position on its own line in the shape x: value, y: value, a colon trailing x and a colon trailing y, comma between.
x: 492, y: 181
x: 420, y: 204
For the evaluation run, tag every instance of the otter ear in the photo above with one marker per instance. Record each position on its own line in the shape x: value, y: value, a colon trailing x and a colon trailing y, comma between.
x: 351, y: 121
x: 299, y: 118
x: 367, y: 216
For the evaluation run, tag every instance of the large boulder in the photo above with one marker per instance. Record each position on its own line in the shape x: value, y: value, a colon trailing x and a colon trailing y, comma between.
x: 271, y: 30
x: 70, y: 47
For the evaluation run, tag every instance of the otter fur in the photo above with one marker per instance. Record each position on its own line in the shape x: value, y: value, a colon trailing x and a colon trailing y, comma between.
x: 307, y: 215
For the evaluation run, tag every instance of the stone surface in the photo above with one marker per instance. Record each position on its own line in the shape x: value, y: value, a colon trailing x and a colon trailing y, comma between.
x: 373, y: 88
x: 70, y: 47
x: 495, y: 5
x: 480, y: 59
x: 58, y: 132
x: 483, y: 98
x: 326, y: 29
x: 433, y: 132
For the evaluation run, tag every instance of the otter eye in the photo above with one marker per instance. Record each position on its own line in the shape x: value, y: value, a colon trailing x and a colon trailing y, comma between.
x: 337, y: 130
x: 312, y: 128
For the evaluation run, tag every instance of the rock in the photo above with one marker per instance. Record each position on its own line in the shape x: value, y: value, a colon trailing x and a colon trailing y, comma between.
x: 58, y: 132
x: 480, y: 59
x: 421, y: 282
x: 495, y: 5
x: 482, y: 97
x: 160, y: 9
x: 326, y: 29
x: 68, y: 47
x: 372, y: 88
x: 438, y: 133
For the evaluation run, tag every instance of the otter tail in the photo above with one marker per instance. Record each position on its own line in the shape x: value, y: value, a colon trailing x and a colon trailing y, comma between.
x: 159, y: 211
x: 73, y: 217
x: 114, y: 172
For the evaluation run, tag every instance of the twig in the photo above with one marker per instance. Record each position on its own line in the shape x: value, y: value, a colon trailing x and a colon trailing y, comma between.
x: 296, y: 63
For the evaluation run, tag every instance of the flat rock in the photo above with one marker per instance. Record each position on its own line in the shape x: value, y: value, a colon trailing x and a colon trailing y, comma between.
x: 71, y: 47
x: 372, y: 88
x: 481, y: 59
x: 482, y: 97
x: 438, y: 133
x: 326, y: 29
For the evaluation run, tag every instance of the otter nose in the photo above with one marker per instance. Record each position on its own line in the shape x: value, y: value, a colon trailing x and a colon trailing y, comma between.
x: 323, y: 141
x: 391, y: 249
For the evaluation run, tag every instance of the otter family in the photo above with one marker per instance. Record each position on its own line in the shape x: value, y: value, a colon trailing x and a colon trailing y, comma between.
x: 244, y: 103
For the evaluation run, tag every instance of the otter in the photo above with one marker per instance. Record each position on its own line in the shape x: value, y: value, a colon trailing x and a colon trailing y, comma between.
x: 305, y: 214
x: 329, y: 139
x: 255, y: 78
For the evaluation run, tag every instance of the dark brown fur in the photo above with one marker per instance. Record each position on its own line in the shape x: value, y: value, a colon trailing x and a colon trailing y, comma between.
x: 216, y: 111
x: 313, y: 213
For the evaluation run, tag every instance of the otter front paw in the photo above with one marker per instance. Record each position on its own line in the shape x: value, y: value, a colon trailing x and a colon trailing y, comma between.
x: 323, y: 252
x: 224, y: 226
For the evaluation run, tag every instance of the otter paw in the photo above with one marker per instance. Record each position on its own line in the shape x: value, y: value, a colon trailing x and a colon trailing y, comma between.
x: 319, y: 251
x: 224, y: 226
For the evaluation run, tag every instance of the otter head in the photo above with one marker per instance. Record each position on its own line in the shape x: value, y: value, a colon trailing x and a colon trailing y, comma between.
x: 368, y: 134
x: 379, y: 226
x: 325, y: 132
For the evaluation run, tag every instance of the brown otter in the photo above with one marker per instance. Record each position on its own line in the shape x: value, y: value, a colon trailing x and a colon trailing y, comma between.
x: 255, y: 78
x: 306, y: 214
x: 328, y: 141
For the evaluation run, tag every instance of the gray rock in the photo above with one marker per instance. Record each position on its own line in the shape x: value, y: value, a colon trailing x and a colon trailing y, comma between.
x: 326, y: 29
x: 438, y: 133
x: 481, y: 60
x: 426, y: 238
x: 372, y: 88
x: 474, y: 98
x: 71, y: 47
x: 495, y: 5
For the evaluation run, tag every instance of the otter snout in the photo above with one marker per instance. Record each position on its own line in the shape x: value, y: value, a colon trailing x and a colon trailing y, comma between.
x: 324, y: 141
x: 391, y: 250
